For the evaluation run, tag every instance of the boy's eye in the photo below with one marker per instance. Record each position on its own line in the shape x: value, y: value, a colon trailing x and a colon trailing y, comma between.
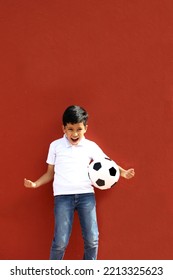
x: 71, y: 129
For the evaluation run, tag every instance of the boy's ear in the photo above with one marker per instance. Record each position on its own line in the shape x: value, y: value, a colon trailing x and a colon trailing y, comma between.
x: 63, y: 128
x: 86, y: 127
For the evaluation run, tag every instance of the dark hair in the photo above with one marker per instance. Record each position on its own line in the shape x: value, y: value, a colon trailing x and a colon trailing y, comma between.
x: 75, y: 114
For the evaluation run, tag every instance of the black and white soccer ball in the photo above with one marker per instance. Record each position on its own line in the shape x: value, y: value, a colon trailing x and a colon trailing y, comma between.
x: 103, y: 173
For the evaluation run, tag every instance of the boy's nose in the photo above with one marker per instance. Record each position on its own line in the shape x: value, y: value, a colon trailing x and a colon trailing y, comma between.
x: 75, y: 134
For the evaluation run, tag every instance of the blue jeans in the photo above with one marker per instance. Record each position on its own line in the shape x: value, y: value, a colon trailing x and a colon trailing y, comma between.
x: 65, y: 205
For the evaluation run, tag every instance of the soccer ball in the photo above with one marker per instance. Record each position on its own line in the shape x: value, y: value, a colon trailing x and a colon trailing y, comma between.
x: 103, y: 173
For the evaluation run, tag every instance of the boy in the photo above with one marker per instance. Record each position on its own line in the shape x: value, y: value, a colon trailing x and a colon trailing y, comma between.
x: 68, y: 160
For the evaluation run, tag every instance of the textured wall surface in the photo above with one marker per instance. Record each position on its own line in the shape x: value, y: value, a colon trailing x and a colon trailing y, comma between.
x: 114, y: 58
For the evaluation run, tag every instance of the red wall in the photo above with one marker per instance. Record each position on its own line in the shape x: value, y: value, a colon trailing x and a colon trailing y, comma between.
x: 114, y: 58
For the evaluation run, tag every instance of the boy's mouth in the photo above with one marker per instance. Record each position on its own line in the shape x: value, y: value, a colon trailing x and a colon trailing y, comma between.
x: 75, y: 140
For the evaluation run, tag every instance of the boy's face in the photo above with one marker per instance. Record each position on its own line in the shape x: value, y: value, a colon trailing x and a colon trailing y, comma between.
x: 74, y: 132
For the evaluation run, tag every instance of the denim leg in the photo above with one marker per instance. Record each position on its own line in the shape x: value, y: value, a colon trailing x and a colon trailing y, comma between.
x: 64, y: 213
x: 86, y: 208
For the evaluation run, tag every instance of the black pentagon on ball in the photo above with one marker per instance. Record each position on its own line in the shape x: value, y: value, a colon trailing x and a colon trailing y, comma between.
x: 112, y: 171
x: 100, y: 182
x: 97, y: 166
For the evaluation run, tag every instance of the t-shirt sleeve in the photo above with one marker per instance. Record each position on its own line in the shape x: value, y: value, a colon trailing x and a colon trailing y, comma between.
x: 97, y: 152
x: 51, y: 157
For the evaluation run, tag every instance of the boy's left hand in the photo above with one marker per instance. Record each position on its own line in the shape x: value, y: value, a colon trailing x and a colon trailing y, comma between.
x: 128, y: 174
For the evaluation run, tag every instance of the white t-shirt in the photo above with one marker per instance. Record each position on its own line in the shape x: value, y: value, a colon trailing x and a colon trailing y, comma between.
x: 71, y: 165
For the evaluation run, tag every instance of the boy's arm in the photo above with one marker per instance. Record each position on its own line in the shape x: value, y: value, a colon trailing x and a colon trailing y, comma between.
x: 127, y: 174
x: 44, y: 179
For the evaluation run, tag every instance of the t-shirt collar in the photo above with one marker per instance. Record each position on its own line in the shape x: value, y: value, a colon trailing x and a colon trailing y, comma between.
x: 68, y: 144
